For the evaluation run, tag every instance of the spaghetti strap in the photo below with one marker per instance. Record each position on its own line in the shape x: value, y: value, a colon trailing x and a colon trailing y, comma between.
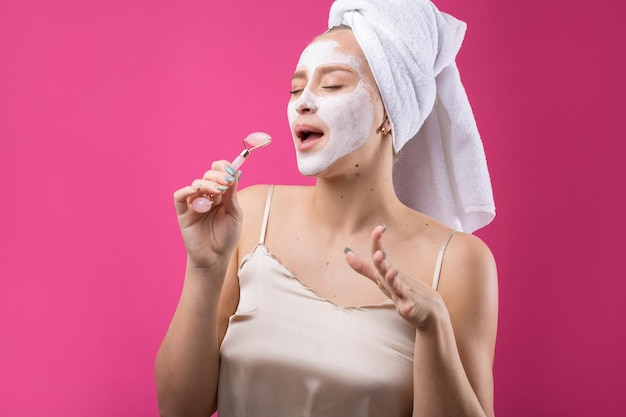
x: 266, y: 213
x: 442, y: 250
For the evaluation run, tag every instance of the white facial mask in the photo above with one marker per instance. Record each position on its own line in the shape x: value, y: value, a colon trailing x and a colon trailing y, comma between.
x: 349, y: 116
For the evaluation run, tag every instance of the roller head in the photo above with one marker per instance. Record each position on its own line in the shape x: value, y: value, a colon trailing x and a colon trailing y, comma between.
x: 258, y: 139
x: 201, y: 204
x: 254, y: 140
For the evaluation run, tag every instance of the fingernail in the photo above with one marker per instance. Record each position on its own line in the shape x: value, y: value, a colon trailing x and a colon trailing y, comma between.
x: 229, y: 178
x: 230, y: 170
x: 239, y: 174
x: 384, y: 255
x: 196, y: 187
x: 347, y: 249
x: 384, y: 227
x: 222, y: 188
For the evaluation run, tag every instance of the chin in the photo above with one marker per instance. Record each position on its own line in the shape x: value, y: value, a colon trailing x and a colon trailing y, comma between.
x: 310, y: 168
x: 308, y: 172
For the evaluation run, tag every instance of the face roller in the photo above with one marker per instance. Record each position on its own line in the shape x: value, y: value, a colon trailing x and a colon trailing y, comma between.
x: 251, y: 142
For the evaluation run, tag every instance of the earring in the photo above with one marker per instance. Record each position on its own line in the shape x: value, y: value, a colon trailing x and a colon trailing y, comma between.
x: 383, y: 131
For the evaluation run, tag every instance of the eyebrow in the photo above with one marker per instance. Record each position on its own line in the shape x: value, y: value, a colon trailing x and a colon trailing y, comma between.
x: 325, y: 70
x: 298, y: 74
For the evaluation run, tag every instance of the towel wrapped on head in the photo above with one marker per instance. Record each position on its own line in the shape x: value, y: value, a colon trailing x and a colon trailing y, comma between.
x: 411, y: 48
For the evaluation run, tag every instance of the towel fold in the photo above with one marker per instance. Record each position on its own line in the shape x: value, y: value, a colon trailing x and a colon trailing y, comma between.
x: 411, y: 48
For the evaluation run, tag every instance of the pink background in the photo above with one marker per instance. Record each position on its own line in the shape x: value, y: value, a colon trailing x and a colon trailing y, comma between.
x: 107, y: 107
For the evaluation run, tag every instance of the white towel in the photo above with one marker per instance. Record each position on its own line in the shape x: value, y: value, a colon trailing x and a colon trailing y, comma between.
x: 411, y: 48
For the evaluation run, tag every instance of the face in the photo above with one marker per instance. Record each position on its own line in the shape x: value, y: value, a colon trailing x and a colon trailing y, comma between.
x: 331, y: 111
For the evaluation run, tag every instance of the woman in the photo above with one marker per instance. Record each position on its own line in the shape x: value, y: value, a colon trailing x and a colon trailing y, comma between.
x: 331, y: 300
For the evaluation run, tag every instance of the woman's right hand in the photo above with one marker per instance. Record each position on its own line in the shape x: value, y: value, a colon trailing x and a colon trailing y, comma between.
x: 211, y: 237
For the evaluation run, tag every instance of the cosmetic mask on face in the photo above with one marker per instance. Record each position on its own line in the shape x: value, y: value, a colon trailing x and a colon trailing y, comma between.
x: 349, y: 116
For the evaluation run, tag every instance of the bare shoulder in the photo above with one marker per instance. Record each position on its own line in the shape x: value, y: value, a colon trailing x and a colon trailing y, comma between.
x: 468, y: 252
x: 253, y: 200
x: 469, y: 287
x: 254, y: 196
x: 469, y: 274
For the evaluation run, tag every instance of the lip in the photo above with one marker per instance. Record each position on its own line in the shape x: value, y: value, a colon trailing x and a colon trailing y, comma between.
x: 307, y: 136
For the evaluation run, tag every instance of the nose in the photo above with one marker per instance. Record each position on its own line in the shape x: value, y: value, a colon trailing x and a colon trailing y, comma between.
x: 306, y: 103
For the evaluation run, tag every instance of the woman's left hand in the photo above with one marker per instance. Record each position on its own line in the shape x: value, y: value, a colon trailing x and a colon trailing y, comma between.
x: 415, y: 301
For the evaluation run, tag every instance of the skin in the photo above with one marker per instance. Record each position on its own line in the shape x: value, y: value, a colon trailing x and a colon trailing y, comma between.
x: 313, y: 88
x: 455, y: 326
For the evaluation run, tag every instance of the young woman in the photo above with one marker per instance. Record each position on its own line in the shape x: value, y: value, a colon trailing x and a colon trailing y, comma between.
x: 335, y: 299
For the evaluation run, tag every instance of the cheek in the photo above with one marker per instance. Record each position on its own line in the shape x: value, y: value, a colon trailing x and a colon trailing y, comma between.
x: 354, y: 111
x: 291, y: 112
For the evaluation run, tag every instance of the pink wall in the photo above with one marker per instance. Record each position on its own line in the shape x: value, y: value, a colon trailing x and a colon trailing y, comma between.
x: 107, y: 107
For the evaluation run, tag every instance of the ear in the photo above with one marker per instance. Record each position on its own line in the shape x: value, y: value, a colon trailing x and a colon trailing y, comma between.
x: 385, y: 127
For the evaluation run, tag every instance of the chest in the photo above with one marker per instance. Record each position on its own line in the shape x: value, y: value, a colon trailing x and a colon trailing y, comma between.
x: 320, y: 264
x: 330, y: 360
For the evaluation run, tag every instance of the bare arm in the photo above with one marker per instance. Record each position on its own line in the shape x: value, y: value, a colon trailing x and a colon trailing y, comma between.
x: 455, y: 332
x: 187, y: 364
x: 454, y: 353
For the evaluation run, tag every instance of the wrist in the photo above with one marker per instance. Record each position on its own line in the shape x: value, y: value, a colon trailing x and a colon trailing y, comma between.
x: 211, y: 275
x: 208, y: 267
x: 437, y: 320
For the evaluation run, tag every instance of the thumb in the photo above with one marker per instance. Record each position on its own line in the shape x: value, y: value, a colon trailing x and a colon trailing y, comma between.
x: 360, y: 265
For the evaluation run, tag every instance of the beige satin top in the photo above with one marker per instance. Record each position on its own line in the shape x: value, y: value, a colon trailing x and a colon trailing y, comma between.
x: 289, y: 352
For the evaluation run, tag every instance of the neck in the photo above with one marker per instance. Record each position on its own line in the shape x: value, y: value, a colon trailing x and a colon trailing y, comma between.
x: 357, y: 200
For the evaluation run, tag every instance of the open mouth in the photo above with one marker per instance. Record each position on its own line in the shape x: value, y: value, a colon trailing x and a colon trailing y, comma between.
x: 306, y: 133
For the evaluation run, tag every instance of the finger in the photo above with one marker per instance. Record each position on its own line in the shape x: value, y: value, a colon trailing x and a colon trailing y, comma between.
x: 203, y: 186
x: 379, y: 255
x: 218, y: 166
x: 394, y: 282
x: 182, y: 196
x: 377, y: 238
x: 404, y: 299
x: 380, y: 262
x: 220, y: 173
x: 228, y: 200
x: 401, y: 293
x: 365, y: 268
x: 360, y: 265
x: 213, y: 184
